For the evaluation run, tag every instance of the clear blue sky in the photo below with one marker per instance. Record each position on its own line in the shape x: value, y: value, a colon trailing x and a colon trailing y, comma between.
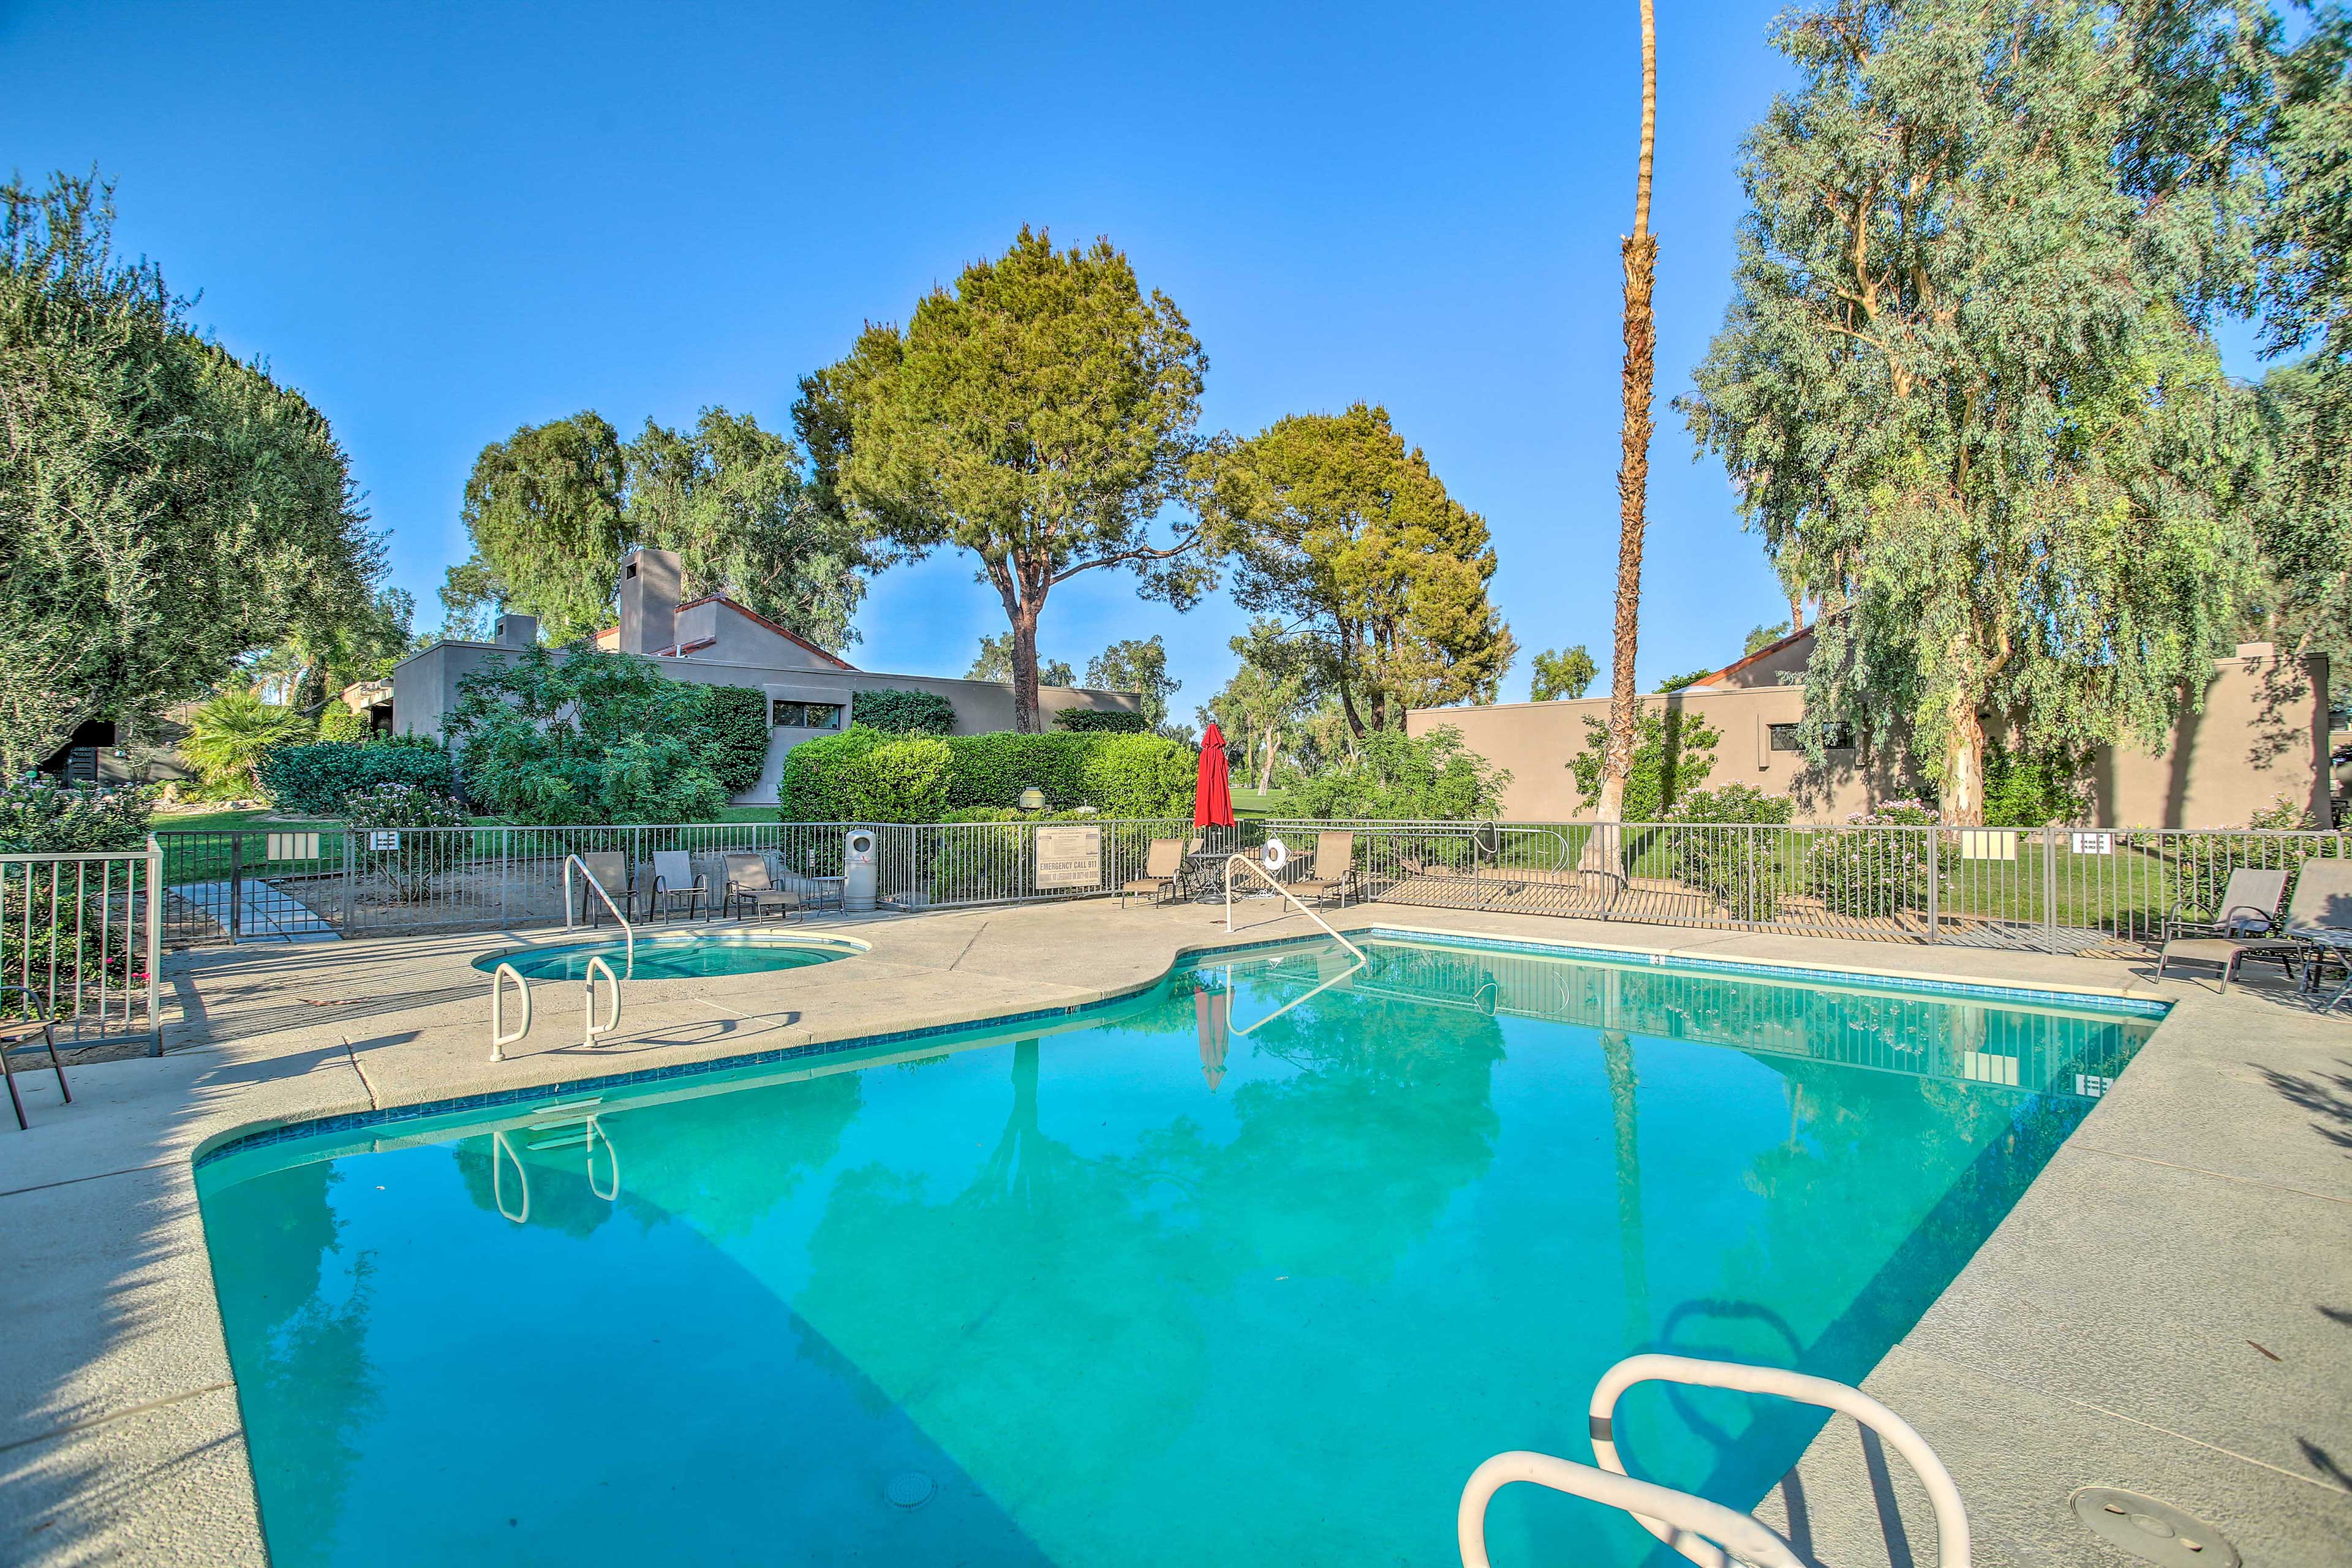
x: 444, y: 221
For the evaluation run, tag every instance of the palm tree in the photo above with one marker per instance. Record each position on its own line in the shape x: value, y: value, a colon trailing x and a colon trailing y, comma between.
x: 1641, y: 252
x: 227, y: 735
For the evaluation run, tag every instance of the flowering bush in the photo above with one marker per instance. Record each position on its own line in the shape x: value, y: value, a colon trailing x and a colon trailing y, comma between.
x: 1722, y: 843
x: 410, y: 859
x: 1874, y: 874
x: 39, y: 815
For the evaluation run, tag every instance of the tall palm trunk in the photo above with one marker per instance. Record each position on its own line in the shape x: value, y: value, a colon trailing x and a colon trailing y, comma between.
x: 1640, y: 253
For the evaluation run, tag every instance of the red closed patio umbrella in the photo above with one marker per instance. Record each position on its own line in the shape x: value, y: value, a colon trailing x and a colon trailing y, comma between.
x: 1212, y: 795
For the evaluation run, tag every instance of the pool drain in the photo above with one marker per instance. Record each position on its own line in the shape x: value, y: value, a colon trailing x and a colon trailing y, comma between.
x: 909, y: 1488
x: 2152, y: 1531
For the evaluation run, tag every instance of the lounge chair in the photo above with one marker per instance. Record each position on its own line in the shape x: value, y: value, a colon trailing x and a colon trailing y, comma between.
x: 610, y: 869
x: 2319, y: 918
x: 748, y: 882
x: 1333, y: 875
x: 18, y: 1032
x: 676, y: 884
x: 2243, y: 925
x: 1161, y: 862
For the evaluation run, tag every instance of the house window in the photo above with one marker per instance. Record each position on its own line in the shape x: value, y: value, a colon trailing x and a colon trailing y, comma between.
x: 1834, y: 738
x: 785, y: 713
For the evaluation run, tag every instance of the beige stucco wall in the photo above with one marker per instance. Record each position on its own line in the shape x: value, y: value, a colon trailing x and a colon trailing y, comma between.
x: 2262, y: 734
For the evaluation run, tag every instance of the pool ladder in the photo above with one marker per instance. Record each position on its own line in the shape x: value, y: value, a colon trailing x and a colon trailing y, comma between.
x: 1705, y: 1532
x: 590, y: 1029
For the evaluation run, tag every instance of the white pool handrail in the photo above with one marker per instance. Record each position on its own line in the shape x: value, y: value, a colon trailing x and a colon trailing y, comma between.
x: 1951, y: 1514
x: 500, y: 1146
x: 1751, y: 1541
x: 1267, y: 877
x: 628, y: 933
x: 500, y: 1039
x: 590, y: 1029
x: 1697, y: 1529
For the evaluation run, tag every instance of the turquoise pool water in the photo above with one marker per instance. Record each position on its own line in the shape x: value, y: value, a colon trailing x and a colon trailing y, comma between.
x: 669, y: 957
x: 1129, y: 1286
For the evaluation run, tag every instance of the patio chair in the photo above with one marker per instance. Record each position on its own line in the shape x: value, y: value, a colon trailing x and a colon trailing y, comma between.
x: 2242, y: 925
x: 1161, y: 862
x: 1333, y: 875
x: 748, y: 882
x: 676, y: 884
x: 18, y: 1032
x: 610, y: 869
x: 2319, y: 918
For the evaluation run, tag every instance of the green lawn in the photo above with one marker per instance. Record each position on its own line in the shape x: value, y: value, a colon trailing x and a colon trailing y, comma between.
x: 1247, y: 802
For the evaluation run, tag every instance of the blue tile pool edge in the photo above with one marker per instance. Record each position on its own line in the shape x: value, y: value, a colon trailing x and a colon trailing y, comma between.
x: 253, y: 1136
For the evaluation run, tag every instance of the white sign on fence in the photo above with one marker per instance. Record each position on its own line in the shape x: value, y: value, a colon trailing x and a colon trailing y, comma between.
x: 385, y: 838
x: 2093, y: 843
x: 293, y: 847
x: 1069, y: 858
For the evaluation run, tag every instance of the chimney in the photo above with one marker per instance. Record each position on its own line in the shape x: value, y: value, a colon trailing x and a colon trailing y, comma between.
x: 649, y: 585
x: 517, y: 630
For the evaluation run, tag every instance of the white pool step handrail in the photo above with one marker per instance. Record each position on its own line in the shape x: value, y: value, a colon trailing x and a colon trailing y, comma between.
x: 629, y: 931
x: 500, y: 1039
x: 1267, y: 877
x: 1691, y: 1525
x: 1751, y: 1541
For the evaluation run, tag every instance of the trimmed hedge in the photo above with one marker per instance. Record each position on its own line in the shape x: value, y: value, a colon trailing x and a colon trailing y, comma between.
x: 311, y: 780
x: 1100, y: 721
x: 737, y: 718
x: 894, y: 711
x: 838, y: 778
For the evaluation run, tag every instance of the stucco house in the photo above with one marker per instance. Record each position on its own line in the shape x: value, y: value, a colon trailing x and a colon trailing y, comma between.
x: 2262, y: 734
x: 718, y: 642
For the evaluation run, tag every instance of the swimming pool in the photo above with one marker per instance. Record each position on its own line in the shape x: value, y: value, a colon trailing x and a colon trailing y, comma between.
x: 1236, y: 1270
x: 703, y: 955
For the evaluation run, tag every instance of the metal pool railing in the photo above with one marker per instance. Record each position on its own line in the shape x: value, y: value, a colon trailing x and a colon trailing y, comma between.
x: 2090, y: 891
x: 79, y: 940
x: 2096, y: 892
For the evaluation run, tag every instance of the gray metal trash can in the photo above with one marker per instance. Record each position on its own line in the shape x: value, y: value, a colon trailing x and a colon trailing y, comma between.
x: 860, y: 874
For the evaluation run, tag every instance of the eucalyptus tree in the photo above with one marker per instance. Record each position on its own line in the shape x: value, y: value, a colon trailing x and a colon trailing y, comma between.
x: 1039, y: 415
x: 1965, y: 388
x: 165, y: 510
x: 1348, y: 538
x: 1138, y: 665
x: 543, y: 511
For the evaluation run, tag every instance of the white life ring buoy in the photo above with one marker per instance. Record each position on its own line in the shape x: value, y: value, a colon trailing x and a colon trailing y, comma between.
x: 1273, y: 855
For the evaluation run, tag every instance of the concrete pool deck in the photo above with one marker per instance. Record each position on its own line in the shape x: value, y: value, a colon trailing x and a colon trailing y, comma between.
x: 2169, y: 1310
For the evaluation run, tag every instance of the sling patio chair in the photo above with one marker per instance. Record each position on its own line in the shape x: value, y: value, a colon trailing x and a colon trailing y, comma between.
x: 2319, y: 918
x: 17, y: 1033
x: 1333, y: 874
x: 748, y: 882
x: 2242, y: 925
x: 1162, y: 860
x: 610, y: 869
x: 677, y: 885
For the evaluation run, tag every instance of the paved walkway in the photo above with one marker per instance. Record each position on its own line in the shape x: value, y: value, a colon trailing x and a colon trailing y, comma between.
x: 2169, y: 1310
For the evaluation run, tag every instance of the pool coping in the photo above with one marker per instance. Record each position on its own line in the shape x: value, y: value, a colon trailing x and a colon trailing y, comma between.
x: 2122, y: 1002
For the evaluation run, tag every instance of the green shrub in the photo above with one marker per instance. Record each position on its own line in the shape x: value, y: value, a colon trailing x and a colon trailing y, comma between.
x: 1135, y: 775
x: 993, y: 769
x: 819, y: 774
x: 586, y: 737
x: 2031, y: 792
x: 40, y: 816
x: 415, y: 857
x: 1674, y: 751
x: 1394, y: 776
x: 1100, y: 721
x: 1874, y: 875
x: 337, y: 723
x: 1740, y: 868
x: 736, y: 720
x: 904, y: 780
x: 894, y: 711
x: 311, y: 780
